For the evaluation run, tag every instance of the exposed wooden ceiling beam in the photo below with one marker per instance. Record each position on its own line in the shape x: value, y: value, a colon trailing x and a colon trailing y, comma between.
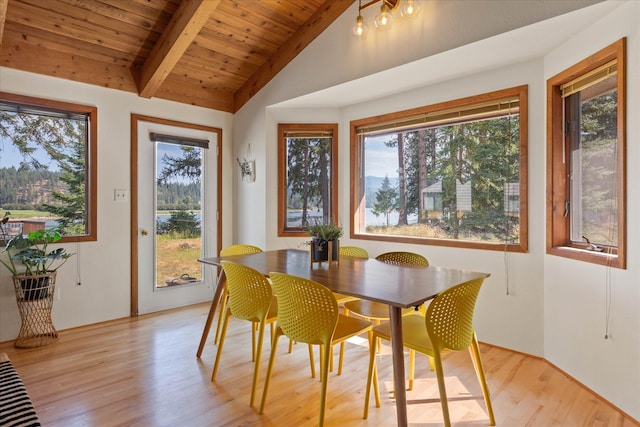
x: 311, y: 29
x: 3, y: 16
x: 184, y: 26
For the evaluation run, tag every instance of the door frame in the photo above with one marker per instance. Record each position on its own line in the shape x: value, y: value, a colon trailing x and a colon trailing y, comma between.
x: 135, y: 118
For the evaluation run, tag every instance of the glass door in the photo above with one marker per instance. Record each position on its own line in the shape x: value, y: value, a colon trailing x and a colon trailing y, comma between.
x: 177, y: 215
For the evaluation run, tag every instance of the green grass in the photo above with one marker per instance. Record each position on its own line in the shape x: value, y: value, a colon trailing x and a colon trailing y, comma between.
x: 177, y: 256
x: 25, y: 214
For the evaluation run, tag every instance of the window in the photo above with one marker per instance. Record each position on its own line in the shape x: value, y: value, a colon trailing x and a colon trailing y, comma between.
x: 307, y: 173
x: 449, y: 174
x: 48, y: 167
x: 586, y: 159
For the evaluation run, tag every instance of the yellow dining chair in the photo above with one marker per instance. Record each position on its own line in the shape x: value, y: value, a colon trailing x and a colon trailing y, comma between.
x: 230, y: 251
x: 308, y: 313
x: 250, y: 298
x: 447, y: 326
x: 354, y: 251
x: 378, y: 312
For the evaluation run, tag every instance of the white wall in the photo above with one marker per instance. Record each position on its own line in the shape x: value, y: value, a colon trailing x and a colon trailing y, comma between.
x: 575, y: 293
x: 555, y: 307
x: 103, y: 267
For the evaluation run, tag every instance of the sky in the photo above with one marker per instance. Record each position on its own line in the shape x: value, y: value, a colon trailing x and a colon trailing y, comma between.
x: 380, y: 161
x: 10, y: 156
x: 173, y: 150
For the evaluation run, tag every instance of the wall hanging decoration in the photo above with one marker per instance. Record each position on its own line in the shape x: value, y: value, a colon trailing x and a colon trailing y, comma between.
x: 247, y: 167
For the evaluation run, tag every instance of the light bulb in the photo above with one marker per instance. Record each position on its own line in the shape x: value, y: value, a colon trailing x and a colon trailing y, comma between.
x: 360, y: 29
x: 384, y: 20
x: 410, y: 9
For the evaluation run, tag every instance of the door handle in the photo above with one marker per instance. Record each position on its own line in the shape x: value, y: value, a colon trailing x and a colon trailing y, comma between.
x: 144, y: 232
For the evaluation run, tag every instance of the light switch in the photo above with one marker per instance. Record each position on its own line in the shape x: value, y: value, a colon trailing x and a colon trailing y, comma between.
x: 120, y: 195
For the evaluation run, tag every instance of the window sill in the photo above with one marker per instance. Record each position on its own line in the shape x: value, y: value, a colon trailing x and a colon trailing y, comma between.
x: 593, y: 257
x: 467, y: 244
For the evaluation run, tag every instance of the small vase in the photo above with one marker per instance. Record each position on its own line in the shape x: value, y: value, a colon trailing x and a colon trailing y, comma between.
x: 320, y: 249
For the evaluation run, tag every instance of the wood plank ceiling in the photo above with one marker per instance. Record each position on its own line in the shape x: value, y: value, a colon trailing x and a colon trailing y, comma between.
x: 211, y: 53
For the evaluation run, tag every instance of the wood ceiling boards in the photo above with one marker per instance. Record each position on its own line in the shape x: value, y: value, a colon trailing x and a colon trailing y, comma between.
x: 211, y: 53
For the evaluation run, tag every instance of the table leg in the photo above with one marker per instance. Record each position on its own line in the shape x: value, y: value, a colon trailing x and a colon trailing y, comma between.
x: 212, y: 311
x: 397, y: 351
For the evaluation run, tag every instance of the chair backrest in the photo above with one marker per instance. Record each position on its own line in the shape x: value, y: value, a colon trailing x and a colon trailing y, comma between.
x: 239, y: 250
x: 249, y: 291
x: 307, y: 310
x: 354, y: 251
x: 450, y: 316
x: 410, y: 259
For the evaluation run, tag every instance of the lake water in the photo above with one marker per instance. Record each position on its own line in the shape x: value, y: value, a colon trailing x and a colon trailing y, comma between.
x: 370, y: 218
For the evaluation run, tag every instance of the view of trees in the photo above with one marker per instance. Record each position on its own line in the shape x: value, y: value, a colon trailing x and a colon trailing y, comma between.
x: 596, y: 149
x: 453, y: 178
x: 26, y: 188
x: 182, y: 223
x: 45, y: 141
x: 187, y: 165
x: 308, y: 180
x: 179, y: 189
x: 386, y: 200
x: 175, y: 196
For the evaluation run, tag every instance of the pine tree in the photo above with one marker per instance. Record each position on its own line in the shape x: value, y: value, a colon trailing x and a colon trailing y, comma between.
x: 386, y: 200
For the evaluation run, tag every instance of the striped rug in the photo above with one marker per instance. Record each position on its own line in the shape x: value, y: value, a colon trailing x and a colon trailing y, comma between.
x: 16, y: 408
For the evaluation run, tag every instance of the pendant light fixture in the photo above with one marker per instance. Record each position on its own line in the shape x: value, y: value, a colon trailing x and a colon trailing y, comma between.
x: 410, y: 8
x: 361, y: 29
x: 384, y: 20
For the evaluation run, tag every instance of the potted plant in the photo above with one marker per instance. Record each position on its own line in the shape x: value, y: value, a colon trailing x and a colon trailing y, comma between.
x: 321, y: 233
x: 32, y: 264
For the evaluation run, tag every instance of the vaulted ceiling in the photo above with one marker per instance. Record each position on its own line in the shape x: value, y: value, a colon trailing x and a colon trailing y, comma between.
x: 210, y: 53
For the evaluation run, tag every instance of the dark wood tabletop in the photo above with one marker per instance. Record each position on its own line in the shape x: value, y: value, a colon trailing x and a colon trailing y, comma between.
x: 365, y: 278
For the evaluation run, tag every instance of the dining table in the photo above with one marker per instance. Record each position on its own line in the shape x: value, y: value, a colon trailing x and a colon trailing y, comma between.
x: 399, y: 287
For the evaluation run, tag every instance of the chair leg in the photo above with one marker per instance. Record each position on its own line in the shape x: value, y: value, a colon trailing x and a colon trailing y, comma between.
x: 253, y: 342
x: 412, y: 367
x: 223, y: 333
x: 379, y: 343
x: 372, y: 375
x: 442, y: 389
x: 330, y: 359
x: 311, y: 361
x: 477, y: 364
x: 272, y: 358
x: 340, y: 358
x: 223, y: 305
x: 324, y: 374
x: 376, y: 385
x: 256, y: 368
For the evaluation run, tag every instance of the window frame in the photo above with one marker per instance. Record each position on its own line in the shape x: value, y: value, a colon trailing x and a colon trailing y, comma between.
x: 356, y: 189
x: 91, y: 154
x: 558, y: 238
x: 283, y: 128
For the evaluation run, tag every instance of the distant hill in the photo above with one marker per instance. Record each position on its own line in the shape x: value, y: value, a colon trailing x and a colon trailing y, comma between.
x: 372, y: 184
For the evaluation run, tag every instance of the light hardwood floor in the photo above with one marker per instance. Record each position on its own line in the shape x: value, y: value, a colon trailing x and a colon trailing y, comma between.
x: 143, y: 372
